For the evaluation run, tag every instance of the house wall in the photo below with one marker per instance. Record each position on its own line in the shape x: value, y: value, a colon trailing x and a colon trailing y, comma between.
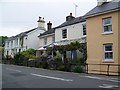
x: 96, y: 39
x: 29, y: 41
x: 119, y: 38
x: 49, y: 40
x: 73, y: 32
x: 33, y: 40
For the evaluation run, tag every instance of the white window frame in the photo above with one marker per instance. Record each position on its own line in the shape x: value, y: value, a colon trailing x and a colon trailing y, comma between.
x: 105, y: 25
x: 8, y: 44
x: 11, y: 44
x: 108, y: 59
x: 45, y: 41
x: 66, y: 34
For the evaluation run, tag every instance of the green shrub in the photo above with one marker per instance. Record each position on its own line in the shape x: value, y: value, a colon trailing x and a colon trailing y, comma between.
x: 30, y: 53
x: 18, y: 58
x: 61, y: 68
x: 44, y: 65
x: 78, y: 69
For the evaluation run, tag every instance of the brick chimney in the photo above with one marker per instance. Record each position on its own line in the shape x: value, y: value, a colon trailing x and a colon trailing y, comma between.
x: 100, y: 2
x: 70, y: 17
x: 49, y: 25
x: 41, y: 23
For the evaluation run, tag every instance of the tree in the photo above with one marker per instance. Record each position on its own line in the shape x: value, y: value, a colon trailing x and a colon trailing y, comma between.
x: 2, y: 40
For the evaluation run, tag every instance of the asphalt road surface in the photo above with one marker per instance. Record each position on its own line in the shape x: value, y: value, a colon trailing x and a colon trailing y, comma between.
x: 27, y: 77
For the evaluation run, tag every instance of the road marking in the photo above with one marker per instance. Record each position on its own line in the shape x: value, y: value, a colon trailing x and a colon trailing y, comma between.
x: 102, y: 79
x: 108, y: 86
x: 13, y: 70
x: 93, y: 77
x: 56, y: 78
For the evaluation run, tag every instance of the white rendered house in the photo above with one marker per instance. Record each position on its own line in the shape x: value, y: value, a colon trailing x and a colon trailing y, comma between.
x: 24, y: 40
x: 73, y: 29
x: 45, y: 39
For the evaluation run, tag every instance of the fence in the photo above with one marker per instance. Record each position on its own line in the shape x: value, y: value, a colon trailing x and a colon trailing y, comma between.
x: 68, y: 66
x: 107, y: 70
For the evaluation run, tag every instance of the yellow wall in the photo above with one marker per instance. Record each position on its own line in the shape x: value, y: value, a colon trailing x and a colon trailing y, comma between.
x: 96, y: 39
x: 119, y: 38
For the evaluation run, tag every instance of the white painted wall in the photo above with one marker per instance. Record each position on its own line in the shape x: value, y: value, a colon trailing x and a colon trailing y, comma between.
x: 29, y: 41
x: 49, y: 40
x: 33, y: 40
x: 73, y: 32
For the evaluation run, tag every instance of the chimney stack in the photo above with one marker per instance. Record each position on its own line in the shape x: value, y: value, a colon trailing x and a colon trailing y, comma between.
x: 41, y: 23
x: 70, y: 17
x: 49, y: 25
x: 100, y: 2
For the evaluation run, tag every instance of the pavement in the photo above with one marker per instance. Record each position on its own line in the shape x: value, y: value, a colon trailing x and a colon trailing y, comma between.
x: 30, y: 77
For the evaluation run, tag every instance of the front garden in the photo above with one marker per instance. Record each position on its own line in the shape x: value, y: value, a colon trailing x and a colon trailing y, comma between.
x: 28, y: 58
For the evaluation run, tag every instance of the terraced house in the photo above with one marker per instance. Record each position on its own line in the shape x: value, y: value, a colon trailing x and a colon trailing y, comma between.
x: 24, y: 40
x: 72, y: 30
x: 45, y: 39
x: 103, y: 37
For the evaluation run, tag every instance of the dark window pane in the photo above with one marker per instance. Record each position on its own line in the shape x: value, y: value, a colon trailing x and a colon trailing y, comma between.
x: 84, y: 29
x: 108, y: 48
x: 108, y: 28
x: 64, y: 33
x: 108, y: 55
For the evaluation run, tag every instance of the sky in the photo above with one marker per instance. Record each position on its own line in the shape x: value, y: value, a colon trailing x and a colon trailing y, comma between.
x: 17, y: 16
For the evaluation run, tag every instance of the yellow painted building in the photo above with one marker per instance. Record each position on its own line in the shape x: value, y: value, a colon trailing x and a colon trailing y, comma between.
x: 103, y: 38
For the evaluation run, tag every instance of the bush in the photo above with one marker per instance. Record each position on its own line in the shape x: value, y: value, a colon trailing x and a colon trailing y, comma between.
x: 18, y: 58
x: 78, y: 69
x: 30, y: 53
x: 61, y: 68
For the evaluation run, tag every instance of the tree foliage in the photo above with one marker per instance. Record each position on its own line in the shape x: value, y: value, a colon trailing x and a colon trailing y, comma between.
x: 82, y: 47
x: 2, y: 40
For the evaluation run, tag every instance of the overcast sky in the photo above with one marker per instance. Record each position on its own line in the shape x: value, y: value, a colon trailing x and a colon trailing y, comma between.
x: 17, y: 16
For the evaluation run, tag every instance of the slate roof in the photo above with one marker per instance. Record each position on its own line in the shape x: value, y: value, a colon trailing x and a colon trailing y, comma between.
x: 21, y: 34
x: 51, y: 31
x: 107, y: 6
x: 73, y: 21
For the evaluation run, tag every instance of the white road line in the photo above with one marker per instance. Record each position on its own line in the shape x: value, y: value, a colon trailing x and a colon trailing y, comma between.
x: 102, y: 79
x: 108, y: 86
x: 56, y: 78
x: 13, y: 70
x: 93, y: 77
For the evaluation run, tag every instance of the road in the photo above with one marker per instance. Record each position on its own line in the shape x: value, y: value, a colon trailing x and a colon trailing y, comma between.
x: 27, y: 77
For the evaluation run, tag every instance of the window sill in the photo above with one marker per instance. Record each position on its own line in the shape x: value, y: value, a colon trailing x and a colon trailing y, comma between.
x: 107, y: 33
x: 64, y: 39
x: 84, y: 36
x: 108, y: 61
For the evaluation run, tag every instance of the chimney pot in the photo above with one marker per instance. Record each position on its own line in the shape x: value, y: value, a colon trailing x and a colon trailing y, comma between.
x: 41, y: 22
x: 70, y: 14
x: 70, y: 17
x: 100, y: 2
x: 49, y: 25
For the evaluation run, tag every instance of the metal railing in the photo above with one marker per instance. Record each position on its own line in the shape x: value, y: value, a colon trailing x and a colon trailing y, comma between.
x: 86, y: 67
x: 107, y: 70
